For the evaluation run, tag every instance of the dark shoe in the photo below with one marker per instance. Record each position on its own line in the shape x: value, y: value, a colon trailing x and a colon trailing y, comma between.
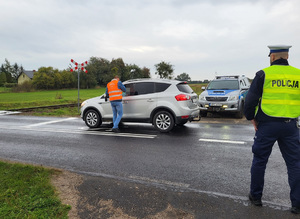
x: 256, y: 202
x: 122, y: 125
x: 295, y: 210
x: 116, y: 130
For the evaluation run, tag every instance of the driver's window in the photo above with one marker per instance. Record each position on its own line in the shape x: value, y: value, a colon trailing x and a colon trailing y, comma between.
x: 139, y: 88
x: 129, y: 89
x: 242, y: 83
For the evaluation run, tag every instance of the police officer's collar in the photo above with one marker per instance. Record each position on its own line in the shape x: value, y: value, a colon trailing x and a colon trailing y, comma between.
x: 280, y: 61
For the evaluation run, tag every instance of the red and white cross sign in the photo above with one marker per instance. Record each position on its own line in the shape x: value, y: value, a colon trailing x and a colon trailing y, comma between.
x: 79, y: 66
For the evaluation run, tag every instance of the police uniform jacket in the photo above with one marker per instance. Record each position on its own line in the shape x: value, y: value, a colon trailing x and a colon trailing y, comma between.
x: 254, y: 95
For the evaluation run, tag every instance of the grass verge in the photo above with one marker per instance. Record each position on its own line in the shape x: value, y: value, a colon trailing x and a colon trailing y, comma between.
x: 45, y: 98
x: 61, y: 112
x: 197, y: 88
x: 26, y: 192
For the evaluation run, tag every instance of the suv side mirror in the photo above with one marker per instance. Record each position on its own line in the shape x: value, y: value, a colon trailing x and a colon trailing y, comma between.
x: 245, y: 88
x: 203, y: 88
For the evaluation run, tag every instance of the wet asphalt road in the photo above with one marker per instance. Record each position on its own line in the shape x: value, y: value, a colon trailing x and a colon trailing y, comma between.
x: 201, y: 168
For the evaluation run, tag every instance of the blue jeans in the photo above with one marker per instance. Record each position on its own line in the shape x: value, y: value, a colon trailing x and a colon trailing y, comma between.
x: 117, y: 109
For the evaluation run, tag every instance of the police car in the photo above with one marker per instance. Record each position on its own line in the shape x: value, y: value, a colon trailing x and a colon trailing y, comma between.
x: 225, y: 94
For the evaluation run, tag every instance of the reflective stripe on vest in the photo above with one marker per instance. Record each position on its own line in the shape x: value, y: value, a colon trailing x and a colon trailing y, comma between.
x: 113, y: 91
x: 281, y: 91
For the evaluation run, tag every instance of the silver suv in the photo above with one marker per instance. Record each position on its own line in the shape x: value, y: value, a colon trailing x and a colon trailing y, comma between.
x: 164, y: 103
x: 225, y: 94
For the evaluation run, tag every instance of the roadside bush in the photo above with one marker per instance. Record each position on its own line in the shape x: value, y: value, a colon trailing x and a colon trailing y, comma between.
x: 24, y: 87
x: 58, y: 96
x: 10, y: 85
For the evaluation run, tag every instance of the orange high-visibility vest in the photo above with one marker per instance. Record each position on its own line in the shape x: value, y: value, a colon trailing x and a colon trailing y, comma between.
x: 113, y: 91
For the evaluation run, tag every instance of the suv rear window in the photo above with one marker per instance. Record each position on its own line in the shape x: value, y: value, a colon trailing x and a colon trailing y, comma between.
x: 185, y: 88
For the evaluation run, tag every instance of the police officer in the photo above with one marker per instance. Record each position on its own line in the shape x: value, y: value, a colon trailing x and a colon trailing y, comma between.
x: 273, y: 105
x: 114, y: 92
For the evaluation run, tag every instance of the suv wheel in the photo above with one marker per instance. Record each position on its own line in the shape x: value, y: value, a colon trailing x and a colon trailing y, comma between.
x: 92, y: 119
x: 163, y: 121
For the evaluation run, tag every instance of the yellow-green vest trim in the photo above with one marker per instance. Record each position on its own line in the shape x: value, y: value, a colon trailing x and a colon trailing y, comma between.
x: 281, y: 91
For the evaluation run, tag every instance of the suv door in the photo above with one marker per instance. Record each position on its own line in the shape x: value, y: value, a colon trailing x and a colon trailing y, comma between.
x: 139, y: 101
x: 105, y: 108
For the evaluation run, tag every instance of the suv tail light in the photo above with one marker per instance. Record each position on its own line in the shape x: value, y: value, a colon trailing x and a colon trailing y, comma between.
x: 182, y: 97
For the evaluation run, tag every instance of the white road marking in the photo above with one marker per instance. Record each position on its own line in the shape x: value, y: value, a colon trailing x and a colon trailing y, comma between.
x: 3, y: 113
x: 160, y: 181
x: 49, y: 122
x: 222, y: 141
x: 130, y: 135
x: 82, y: 132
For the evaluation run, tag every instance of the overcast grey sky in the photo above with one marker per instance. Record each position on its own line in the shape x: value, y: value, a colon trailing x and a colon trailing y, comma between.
x: 199, y: 37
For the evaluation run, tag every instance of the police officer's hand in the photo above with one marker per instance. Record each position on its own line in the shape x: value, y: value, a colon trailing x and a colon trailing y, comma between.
x: 254, y: 122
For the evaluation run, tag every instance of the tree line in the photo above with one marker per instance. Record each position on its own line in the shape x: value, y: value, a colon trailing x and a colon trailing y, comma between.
x: 9, y: 73
x: 100, y: 72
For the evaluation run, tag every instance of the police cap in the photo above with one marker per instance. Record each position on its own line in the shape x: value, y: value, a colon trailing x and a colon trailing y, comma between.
x: 279, y: 48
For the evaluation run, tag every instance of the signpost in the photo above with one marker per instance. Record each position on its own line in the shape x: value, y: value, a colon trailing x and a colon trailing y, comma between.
x: 81, y: 67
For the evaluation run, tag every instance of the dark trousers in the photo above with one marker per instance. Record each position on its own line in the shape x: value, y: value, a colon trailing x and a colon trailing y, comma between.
x: 287, y: 136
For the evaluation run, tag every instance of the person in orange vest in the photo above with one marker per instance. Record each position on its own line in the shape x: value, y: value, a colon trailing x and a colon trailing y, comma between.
x: 114, y: 91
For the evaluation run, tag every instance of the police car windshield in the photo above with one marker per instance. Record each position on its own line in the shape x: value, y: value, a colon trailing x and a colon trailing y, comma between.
x: 223, y: 85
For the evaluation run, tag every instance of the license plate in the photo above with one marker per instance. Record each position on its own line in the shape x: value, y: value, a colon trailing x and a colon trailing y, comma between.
x: 215, y: 104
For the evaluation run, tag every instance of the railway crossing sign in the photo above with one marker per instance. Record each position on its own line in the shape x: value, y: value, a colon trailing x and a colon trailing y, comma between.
x: 78, y: 67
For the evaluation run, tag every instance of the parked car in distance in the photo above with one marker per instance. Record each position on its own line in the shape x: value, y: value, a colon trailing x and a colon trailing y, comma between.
x: 225, y: 94
x: 164, y: 103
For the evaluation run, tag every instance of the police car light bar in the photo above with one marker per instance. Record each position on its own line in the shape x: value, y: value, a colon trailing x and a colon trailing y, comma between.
x: 228, y: 77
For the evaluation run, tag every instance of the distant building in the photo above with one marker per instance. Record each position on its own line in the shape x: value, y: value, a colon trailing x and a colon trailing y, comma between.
x: 25, y: 76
